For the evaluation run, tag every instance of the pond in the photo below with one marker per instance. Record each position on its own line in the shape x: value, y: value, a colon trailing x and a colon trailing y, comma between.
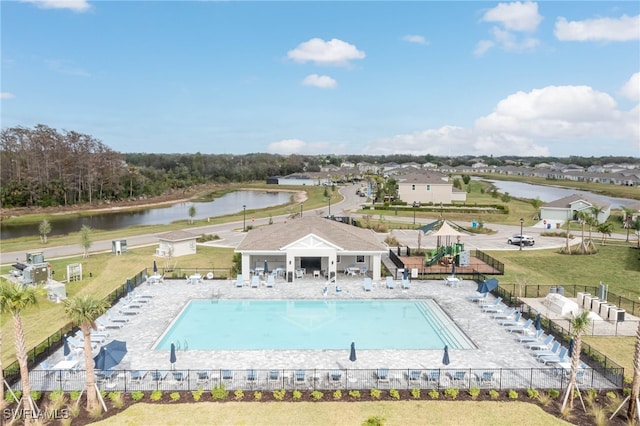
x: 550, y: 193
x: 230, y: 203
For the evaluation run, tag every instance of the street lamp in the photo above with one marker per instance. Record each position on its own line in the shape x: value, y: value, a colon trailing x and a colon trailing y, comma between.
x: 244, y: 218
x: 414, y: 213
x: 301, y: 209
x: 329, y: 205
x: 521, y: 238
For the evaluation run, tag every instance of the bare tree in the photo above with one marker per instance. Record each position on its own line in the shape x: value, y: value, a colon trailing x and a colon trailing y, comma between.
x: 44, y: 229
x: 85, y: 240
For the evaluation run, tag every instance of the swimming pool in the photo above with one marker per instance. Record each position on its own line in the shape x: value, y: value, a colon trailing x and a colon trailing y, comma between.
x: 312, y: 324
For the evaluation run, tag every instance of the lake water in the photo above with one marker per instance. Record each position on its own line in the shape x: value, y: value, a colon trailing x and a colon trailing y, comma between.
x: 551, y: 193
x: 227, y: 204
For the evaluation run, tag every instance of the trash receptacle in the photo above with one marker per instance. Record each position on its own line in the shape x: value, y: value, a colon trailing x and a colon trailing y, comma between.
x: 289, y: 277
x: 560, y: 291
x: 548, y: 226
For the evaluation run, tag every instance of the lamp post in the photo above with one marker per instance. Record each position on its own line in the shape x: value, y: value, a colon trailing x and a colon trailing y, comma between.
x: 329, y: 205
x: 414, y: 214
x: 301, y: 209
x: 244, y: 218
x: 521, y: 239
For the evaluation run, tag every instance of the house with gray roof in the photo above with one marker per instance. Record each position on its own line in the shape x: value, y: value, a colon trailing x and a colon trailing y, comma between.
x: 428, y: 187
x: 567, y: 208
x: 311, y: 246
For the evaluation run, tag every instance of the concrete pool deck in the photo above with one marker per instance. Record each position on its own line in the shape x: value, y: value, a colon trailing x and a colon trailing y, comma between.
x: 496, y: 348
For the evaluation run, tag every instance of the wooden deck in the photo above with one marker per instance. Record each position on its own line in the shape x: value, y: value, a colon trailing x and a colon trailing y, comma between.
x: 475, y: 265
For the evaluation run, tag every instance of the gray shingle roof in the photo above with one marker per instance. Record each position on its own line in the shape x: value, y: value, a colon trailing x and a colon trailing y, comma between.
x: 178, y: 235
x: 565, y: 202
x: 278, y: 235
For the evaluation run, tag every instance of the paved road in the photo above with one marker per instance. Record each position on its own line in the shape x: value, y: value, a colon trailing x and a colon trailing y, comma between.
x: 231, y: 233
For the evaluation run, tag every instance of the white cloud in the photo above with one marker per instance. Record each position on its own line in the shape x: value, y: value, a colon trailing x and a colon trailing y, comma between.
x: 287, y: 146
x: 334, y: 52
x: 631, y: 88
x: 75, y: 5
x: 528, y: 123
x: 483, y: 47
x: 512, y: 19
x: 321, y: 81
x: 625, y: 28
x: 7, y: 95
x: 64, y: 67
x: 418, y: 39
x: 516, y: 16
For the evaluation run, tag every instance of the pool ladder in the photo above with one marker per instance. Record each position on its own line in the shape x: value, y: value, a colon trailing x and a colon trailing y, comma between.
x: 215, y: 295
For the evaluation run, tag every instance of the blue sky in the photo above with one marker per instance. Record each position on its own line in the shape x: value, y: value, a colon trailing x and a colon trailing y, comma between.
x: 442, y: 78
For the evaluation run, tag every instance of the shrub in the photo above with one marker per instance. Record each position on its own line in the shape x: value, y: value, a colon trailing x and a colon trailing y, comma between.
x: 512, y: 394
x: 355, y: 394
x: 474, y: 392
x: 257, y: 395
x: 337, y: 394
x: 56, y: 395
x: 611, y: 395
x: 415, y: 392
x: 117, y: 399
x: 544, y: 399
x: 137, y: 395
x: 279, y: 395
x: 373, y: 421
x: 156, y: 395
x: 533, y: 393
x: 434, y: 394
x: 197, y: 394
x: 219, y: 392
x: 238, y: 395
x: 626, y: 391
x: 451, y: 392
x: 96, y: 413
x: 36, y: 395
x: 553, y: 393
x: 9, y: 397
x: 175, y: 396
x: 393, y: 393
x: 494, y: 394
x: 375, y: 393
x: 296, y: 394
x: 316, y: 395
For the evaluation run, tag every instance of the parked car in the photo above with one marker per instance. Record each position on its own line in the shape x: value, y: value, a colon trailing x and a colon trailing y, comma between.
x: 526, y: 240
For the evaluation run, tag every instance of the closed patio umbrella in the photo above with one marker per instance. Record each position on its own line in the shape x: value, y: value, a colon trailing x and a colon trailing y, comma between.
x: 172, y: 355
x: 128, y: 286
x: 405, y: 274
x: 66, y: 350
x: 570, y: 351
x: 155, y: 267
x: 266, y: 267
x: 352, y: 354
x: 453, y: 268
x: 445, y: 358
x: 538, y: 323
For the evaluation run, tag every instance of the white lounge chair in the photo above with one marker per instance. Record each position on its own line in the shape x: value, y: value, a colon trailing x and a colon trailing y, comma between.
x: 271, y: 280
x: 239, y: 281
x: 545, y: 344
x: 555, y: 350
x: 511, y: 322
x: 104, y: 324
x: 504, y: 315
x: 368, y: 285
x: 390, y: 283
x: 405, y: 284
x: 530, y: 337
x: 255, y: 281
x: 521, y: 328
x: 555, y: 359
x: 496, y: 302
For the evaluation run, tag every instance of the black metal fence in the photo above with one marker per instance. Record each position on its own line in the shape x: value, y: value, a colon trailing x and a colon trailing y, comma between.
x: 320, y: 379
x: 590, y: 356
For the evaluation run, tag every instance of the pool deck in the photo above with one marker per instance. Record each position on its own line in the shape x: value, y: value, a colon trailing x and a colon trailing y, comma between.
x: 496, y: 348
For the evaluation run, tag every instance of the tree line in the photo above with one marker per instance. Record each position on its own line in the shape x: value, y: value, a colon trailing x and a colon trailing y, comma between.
x: 44, y: 167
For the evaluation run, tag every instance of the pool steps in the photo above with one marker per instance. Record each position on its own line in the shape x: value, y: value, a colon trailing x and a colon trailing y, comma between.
x: 439, y: 320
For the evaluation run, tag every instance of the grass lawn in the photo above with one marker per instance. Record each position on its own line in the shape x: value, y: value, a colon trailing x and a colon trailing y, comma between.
x: 619, y: 349
x: 109, y: 272
x: 335, y: 413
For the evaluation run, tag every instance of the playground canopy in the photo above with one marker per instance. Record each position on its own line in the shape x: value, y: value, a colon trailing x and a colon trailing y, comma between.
x: 445, y: 228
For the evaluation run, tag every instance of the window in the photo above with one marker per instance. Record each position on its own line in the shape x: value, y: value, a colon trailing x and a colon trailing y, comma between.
x: 428, y: 187
x: 359, y: 259
x: 338, y: 259
x: 413, y: 187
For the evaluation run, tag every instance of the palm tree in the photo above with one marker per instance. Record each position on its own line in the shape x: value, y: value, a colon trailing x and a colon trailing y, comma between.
x: 567, y: 247
x: 579, y: 326
x: 628, y: 219
x: 14, y: 298
x: 84, y: 311
x: 635, y: 385
x: 583, y: 217
x: 605, y: 229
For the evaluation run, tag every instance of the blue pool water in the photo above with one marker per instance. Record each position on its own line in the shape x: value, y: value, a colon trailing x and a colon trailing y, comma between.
x: 262, y: 324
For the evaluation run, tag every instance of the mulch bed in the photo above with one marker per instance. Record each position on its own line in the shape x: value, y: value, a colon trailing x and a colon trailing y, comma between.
x: 578, y: 416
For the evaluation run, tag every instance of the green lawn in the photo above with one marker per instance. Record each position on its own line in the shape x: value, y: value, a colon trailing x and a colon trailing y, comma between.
x: 335, y: 413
